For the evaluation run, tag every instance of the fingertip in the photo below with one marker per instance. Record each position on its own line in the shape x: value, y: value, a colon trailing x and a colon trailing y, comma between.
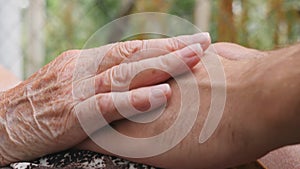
x: 168, y: 92
x: 206, y: 35
x: 164, y: 89
x: 198, y: 49
x: 149, y: 98
x: 190, y: 51
x: 203, y: 39
x: 191, y: 54
x: 206, y: 40
x: 159, y: 95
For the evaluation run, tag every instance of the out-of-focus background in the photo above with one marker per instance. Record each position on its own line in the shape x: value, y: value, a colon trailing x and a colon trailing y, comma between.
x: 34, y: 32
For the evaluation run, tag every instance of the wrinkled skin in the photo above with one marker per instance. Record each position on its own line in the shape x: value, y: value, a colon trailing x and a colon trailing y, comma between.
x: 40, y: 115
x: 261, y: 112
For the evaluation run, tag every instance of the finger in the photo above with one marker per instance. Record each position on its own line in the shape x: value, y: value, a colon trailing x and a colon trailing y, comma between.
x: 114, y: 54
x: 141, y: 49
x: 98, y: 111
x: 149, y: 71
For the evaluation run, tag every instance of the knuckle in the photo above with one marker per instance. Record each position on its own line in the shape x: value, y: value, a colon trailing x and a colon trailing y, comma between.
x: 139, y: 101
x: 103, y: 81
x: 120, y: 76
x: 165, y: 61
x: 102, y: 102
x: 126, y: 49
x: 134, y: 98
x: 106, y: 106
x: 144, y: 44
x: 70, y: 53
x: 173, y: 44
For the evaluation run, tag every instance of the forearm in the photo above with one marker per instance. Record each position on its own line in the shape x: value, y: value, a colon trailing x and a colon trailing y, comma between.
x: 292, y: 67
x: 13, y: 105
x: 19, y: 126
x: 282, y: 81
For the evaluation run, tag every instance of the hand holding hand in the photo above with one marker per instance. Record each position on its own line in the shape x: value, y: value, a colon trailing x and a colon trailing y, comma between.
x: 261, y: 112
x: 40, y: 115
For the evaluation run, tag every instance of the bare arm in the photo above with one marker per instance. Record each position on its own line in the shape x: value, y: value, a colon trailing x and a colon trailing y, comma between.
x: 282, y: 77
x: 261, y: 113
x: 44, y: 113
x: 8, y: 80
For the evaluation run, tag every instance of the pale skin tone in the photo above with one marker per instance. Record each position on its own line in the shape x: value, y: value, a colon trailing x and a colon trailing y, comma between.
x: 40, y: 115
x: 261, y: 112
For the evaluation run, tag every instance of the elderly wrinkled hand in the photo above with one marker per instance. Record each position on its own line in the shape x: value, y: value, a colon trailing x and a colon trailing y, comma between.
x: 41, y: 115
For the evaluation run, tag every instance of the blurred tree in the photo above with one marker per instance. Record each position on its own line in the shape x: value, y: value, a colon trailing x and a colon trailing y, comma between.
x: 276, y: 15
x: 292, y: 13
x: 71, y: 22
x: 226, y: 26
x: 118, y: 31
x: 258, y: 24
x: 244, y: 23
x: 183, y: 8
x: 202, y: 14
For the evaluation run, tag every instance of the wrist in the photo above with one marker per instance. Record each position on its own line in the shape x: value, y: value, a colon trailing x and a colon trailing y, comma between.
x: 13, y: 130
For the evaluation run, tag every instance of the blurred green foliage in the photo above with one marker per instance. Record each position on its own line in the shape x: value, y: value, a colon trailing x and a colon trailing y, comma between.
x: 184, y: 9
x: 70, y: 23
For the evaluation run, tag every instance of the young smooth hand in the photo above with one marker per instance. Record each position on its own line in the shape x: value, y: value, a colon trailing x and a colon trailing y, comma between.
x: 261, y: 112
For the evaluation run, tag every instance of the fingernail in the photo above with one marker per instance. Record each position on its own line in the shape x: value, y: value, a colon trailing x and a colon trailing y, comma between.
x: 191, y: 51
x: 163, y: 88
x: 158, y: 95
x: 206, y: 40
x: 206, y: 35
x: 202, y: 36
